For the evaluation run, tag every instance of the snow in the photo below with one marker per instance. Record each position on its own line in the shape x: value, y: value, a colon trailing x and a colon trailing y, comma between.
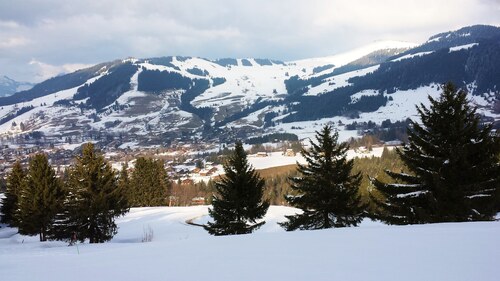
x: 243, y: 87
x: 347, y: 57
x: 73, y: 146
x: 410, y: 194
x: 127, y: 97
x: 274, y: 159
x: 254, y: 116
x: 339, y: 81
x: 463, y: 47
x: 412, y: 55
x: 447, y: 251
x: 434, y: 40
x: 41, y: 105
x: 366, y: 93
x: 403, y: 104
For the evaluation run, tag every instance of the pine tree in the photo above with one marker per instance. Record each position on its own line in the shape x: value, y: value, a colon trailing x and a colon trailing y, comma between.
x: 454, y: 169
x: 326, y: 189
x: 94, y: 200
x: 238, y: 203
x: 149, y: 183
x: 10, y: 201
x: 40, y: 198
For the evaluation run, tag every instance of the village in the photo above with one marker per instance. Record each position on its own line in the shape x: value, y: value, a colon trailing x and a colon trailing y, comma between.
x: 186, y: 162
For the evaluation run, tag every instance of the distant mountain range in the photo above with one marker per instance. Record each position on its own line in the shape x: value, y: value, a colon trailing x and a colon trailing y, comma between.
x: 157, y: 100
x: 9, y: 86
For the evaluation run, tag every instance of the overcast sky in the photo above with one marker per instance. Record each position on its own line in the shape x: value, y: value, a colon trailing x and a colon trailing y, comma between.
x: 40, y: 39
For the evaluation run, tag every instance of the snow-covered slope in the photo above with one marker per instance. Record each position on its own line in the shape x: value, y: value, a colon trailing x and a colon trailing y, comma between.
x: 155, y: 101
x: 448, y: 251
x: 349, y: 56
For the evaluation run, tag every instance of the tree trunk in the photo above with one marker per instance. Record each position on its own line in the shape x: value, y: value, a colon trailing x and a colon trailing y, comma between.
x: 43, y: 237
x: 327, y: 220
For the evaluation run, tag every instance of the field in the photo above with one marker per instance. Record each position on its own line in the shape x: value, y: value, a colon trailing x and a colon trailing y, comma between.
x: 373, y: 251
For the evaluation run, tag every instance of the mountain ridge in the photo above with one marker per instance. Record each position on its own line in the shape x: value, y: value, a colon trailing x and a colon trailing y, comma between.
x: 158, y: 100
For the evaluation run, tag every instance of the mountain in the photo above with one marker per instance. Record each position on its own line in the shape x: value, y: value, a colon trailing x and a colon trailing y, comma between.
x: 160, y: 100
x: 9, y: 86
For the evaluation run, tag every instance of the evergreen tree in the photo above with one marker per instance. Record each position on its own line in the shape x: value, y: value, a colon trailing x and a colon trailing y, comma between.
x: 10, y: 201
x: 238, y: 203
x: 94, y: 200
x: 327, y: 191
x: 40, y: 198
x: 124, y: 181
x: 149, y: 183
x: 454, y: 169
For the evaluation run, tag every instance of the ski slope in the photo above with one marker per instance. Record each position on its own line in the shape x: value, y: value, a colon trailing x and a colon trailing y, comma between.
x: 448, y: 251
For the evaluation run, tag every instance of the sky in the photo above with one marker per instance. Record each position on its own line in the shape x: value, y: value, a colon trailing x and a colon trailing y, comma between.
x: 43, y: 38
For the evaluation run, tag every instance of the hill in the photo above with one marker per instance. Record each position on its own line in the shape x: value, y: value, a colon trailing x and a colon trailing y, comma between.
x: 160, y: 101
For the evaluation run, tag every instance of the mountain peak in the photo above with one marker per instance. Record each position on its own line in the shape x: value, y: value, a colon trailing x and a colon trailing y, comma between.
x: 9, y: 86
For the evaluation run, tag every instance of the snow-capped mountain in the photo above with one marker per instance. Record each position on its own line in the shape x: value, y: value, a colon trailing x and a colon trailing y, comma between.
x: 156, y: 100
x: 9, y: 86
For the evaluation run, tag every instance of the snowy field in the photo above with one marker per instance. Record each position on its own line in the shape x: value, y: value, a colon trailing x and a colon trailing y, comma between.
x: 451, y: 251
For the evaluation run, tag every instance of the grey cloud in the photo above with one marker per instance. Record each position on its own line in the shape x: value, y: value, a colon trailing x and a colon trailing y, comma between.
x: 61, y: 32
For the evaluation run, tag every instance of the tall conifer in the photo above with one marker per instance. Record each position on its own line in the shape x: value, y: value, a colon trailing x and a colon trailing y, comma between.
x: 453, y: 163
x: 326, y: 190
x: 10, y: 201
x: 238, y: 203
x: 94, y: 200
x: 40, y: 199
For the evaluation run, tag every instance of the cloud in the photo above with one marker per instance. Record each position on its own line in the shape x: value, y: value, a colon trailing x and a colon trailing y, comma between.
x: 13, y: 42
x: 45, y: 71
x: 60, y: 32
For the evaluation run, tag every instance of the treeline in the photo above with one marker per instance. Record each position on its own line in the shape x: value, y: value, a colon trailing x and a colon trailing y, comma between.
x: 335, y: 103
x: 158, y: 81
x: 447, y: 172
x: 84, y: 201
x: 386, y: 131
x: 199, y: 86
x: 165, y: 61
x: 105, y: 90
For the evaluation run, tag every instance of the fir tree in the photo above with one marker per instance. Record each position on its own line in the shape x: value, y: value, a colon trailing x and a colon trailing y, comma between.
x: 40, y: 199
x: 94, y: 200
x: 326, y: 189
x: 238, y: 203
x: 10, y: 201
x: 454, y: 169
x: 149, y: 183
